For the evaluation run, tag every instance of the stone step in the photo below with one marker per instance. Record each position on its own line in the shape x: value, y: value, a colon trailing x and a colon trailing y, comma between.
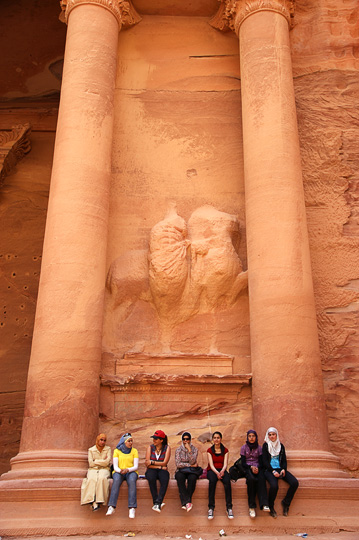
x: 321, y: 505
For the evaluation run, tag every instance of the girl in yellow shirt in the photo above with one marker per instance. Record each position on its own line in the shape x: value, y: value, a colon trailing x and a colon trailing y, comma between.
x: 125, y: 464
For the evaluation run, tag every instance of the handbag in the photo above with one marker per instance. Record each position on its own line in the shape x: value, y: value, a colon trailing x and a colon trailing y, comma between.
x: 237, y: 470
x: 192, y: 470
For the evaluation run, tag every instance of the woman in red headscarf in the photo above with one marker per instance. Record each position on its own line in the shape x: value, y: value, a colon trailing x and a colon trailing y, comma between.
x: 157, y: 457
x: 95, y: 487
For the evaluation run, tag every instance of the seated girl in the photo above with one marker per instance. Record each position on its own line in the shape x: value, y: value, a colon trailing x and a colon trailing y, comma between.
x: 95, y: 487
x: 251, y: 460
x: 275, y: 465
x: 217, y: 470
x: 125, y: 464
x: 157, y: 457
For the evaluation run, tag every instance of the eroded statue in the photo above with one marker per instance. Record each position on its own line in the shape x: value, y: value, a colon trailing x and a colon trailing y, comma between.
x: 190, y: 269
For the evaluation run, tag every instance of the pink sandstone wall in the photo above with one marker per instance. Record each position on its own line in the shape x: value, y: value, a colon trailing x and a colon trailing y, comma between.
x: 178, y: 140
x: 23, y: 206
x: 325, y: 47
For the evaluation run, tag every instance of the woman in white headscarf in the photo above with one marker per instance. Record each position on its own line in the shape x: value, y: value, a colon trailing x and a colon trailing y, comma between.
x: 275, y: 465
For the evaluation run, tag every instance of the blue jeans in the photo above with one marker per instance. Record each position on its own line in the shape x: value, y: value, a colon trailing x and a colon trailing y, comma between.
x: 131, y: 479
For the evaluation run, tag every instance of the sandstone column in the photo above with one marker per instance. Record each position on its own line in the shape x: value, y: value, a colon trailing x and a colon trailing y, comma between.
x: 61, y: 409
x: 287, y: 378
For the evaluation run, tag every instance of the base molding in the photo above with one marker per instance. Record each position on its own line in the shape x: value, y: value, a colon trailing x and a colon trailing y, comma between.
x: 315, y: 464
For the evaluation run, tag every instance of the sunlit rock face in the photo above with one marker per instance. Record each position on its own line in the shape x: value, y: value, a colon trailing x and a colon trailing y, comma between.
x: 176, y: 303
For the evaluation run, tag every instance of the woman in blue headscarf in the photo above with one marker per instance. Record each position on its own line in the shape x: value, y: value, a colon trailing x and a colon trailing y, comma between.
x: 251, y: 459
x: 125, y: 464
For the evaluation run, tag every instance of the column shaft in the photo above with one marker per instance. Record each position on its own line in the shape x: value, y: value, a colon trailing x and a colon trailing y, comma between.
x: 287, y: 377
x: 61, y: 409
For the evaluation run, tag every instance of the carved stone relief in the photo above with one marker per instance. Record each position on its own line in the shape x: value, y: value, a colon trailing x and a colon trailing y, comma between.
x: 14, y: 145
x: 190, y: 269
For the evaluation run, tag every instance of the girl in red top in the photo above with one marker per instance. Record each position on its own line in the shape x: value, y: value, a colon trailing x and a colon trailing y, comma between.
x: 217, y: 470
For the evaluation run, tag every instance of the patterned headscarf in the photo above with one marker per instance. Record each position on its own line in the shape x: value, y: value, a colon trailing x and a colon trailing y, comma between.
x: 121, y: 445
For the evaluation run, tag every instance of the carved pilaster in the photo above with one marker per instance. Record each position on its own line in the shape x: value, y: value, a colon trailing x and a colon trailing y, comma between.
x: 14, y: 145
x: 232, y: 13
x: 123, y: 10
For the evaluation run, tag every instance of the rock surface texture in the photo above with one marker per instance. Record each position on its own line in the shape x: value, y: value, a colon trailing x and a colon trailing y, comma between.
x: 176, y: 320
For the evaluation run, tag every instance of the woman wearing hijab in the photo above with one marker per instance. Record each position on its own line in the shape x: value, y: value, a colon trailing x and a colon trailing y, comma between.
x: 186, y: 457
x: 157, y: 457
x: 218, y: 456
x: 275, y: 465
x: 125, y: 464
x: 251, y: 460
x: 95, y: 486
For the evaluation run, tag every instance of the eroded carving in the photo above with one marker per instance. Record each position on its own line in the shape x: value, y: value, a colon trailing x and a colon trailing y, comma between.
x: 123, y: 10
x: 189, y: 270
x: 14, y: 145
x: 232, y: 13
x: 176, y: 383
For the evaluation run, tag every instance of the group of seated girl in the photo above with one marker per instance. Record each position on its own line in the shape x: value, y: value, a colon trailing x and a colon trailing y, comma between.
x: 258, y: 465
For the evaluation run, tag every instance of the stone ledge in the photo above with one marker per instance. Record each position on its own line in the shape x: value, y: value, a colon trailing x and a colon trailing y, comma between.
x: 320, y: 505
x: 69, y: 489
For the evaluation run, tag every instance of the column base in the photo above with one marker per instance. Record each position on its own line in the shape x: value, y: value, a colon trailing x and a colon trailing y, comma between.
x: 45, y: 467
x: 314, y: 464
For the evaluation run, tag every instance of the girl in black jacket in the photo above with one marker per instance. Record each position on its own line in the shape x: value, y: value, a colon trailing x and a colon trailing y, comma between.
x: 275, y: 465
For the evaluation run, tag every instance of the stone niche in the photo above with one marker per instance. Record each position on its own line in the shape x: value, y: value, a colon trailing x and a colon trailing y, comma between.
x: 137, y: 396
x: 173, y: 303
x: 176, y: 347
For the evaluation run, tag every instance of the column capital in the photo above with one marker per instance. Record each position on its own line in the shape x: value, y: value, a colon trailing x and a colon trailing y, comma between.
x: 232, y: 13
x: 123, y: 10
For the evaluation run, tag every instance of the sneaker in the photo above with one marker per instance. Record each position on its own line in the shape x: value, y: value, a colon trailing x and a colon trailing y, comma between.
x: 162, y: 505
x: 266, y: 509
x: 273, y: 513
x: 189, y: 506
x: 252, y: 513
x: 156, y: 508
x: 210, y: 513
x: 111, y: 510
x: 95, y: 506
x: 230, y: 513
x: 285, y: 509
x: 132, y: 513
x: 184, y: 507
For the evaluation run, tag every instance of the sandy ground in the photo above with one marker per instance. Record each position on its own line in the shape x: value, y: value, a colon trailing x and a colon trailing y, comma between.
x: 211, y: 536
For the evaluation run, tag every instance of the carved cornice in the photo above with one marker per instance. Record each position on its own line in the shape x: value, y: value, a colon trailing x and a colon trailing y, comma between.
x: 232, y: 13
x: 123, y: 10
x: 143, y: 381
x: 14, y: 145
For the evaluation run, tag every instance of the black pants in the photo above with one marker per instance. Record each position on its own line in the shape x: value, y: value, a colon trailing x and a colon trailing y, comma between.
x: 213, y: 479
x: 256, y: 485
x: 273, y: 487
x: 152, y: 476
x: 186, y: 491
